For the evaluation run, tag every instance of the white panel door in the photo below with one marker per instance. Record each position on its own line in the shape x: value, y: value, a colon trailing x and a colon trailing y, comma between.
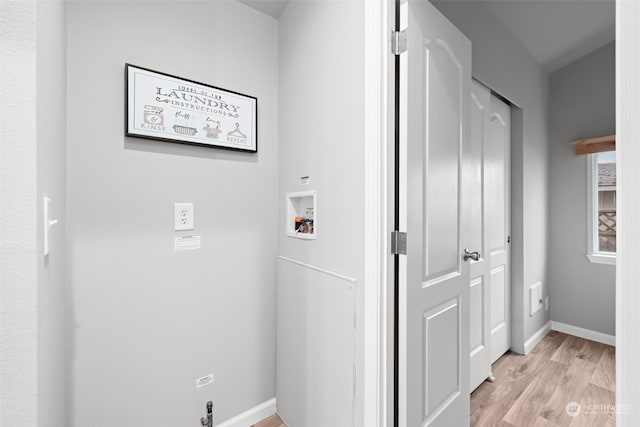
x: 497, y: 167
x: 434, y: 282
x: 479, y: 285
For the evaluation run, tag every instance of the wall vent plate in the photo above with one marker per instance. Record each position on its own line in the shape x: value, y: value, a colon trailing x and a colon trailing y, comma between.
x: 204, y: 381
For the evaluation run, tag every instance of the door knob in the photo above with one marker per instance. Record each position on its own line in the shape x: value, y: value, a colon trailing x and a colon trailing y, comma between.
x: 473, y: 255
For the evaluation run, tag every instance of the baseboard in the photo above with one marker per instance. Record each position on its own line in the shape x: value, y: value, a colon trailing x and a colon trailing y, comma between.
x: 584, y: 333
x: 252, y: 416
x: 537, y: 337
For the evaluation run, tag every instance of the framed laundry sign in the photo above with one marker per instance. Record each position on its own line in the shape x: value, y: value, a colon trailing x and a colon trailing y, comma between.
x: 169, y: 108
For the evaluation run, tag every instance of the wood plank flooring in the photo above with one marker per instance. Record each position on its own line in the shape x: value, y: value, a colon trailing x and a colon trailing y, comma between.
x: 538, y: 389
x: 273, y: 421
x: 542, y: 388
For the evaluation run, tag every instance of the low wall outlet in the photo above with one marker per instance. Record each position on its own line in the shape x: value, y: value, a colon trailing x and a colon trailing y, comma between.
x: 535, y: 298
x: 546, y: 303
x: 183, y: 216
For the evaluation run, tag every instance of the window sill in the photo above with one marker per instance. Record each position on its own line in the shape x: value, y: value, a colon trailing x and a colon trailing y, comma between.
x: 602, y: 259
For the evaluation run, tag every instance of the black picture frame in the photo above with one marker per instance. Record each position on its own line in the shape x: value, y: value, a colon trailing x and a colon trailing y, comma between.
x: 164, y: 107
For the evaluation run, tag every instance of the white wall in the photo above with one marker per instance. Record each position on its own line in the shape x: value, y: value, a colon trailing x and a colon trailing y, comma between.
x: 501, y: 62
x: 321, y: 116
x: 582, y: 105
x: 51, y: 78
x: 18, y: 223
x: 144, y: 321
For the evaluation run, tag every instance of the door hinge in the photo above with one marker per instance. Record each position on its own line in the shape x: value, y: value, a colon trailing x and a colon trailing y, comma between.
x: 399, y: 42
x: 508, y: 239
x: 398, y: 243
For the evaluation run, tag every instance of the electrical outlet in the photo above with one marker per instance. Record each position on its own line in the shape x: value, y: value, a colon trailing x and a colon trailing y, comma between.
x: 183, y: 216
x: 546, y: 303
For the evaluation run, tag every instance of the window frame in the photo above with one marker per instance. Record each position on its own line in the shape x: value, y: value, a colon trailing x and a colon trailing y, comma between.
x: 596, y: 257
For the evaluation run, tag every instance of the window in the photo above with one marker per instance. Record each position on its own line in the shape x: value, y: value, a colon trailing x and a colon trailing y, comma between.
x: 602, y: 208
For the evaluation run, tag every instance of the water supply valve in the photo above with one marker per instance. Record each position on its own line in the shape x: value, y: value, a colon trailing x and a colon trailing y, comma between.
x: 208, y: 421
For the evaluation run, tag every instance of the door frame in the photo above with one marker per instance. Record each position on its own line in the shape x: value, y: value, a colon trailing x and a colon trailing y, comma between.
x: 378, y: 202
x: 627, y: 158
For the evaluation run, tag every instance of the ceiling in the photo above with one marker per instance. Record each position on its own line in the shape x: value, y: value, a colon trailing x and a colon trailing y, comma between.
x: 555, y: 32
x: 270, y: 7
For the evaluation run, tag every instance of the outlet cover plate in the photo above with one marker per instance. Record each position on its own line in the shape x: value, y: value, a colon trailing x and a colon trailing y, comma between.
x: 183, y: 216
x: 535, y: 298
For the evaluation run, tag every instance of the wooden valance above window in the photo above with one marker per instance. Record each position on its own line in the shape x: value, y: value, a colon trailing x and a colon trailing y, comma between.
x: 595, y: 145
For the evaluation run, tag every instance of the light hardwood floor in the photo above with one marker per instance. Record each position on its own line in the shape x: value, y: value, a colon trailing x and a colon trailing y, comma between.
x: 536, y: 389
x: 542, y: 388
x: 273, y: 421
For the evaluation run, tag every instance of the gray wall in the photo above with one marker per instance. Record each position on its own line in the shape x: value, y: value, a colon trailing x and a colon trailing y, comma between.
x: 502, y: 63
x: 51, y: 124
x: 144, y: 321
x: 19, y: 249
x: 582, y: 105
x: 32, y: 153
x: 321, y: 63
